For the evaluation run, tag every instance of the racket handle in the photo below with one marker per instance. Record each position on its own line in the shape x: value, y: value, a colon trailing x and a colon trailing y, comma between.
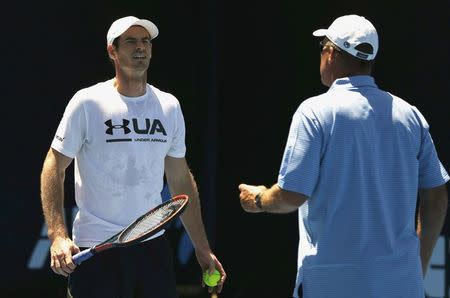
x: 82, y: 256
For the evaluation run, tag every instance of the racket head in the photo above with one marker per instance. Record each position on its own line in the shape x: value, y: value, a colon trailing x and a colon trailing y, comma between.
x: 153, y: 221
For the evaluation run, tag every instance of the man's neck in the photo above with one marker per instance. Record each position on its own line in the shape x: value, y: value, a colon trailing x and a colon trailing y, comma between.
x: 131, y: 87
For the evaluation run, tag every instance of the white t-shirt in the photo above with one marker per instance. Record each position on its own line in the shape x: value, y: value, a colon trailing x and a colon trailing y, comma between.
x: 119, y: 145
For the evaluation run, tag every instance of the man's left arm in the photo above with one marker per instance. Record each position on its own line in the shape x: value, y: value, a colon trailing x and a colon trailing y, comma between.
x: 181, y: 181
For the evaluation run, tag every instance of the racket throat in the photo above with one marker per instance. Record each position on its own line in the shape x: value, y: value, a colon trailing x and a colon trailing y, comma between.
x: 101, y: 247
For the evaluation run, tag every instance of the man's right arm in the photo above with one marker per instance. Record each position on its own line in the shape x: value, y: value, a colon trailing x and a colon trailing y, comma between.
x: 433, y: 209
x: 52, y: 198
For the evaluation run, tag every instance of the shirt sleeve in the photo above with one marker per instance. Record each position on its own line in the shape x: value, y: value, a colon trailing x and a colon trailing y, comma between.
x: 431, y: 170
x: 300, y: 165
x: 71, y: 132
x: 178, y: 146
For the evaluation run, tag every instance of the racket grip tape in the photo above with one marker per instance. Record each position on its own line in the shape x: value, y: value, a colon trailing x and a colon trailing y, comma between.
x: 82, y: 256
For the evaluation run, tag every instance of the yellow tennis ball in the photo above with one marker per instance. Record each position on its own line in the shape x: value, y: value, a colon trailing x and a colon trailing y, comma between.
x: 211, y: 279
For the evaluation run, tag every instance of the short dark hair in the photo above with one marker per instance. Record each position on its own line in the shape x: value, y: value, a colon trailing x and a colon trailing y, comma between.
x: 355, y: 62
x: 116, y: 42
x: 365, y: 48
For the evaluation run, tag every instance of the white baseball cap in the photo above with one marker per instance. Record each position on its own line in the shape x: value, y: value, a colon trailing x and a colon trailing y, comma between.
x: 349, y: 31
x: 121, y: 25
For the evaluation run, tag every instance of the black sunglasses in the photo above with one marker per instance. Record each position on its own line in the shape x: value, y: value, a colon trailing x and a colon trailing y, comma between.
x: 321, y: 45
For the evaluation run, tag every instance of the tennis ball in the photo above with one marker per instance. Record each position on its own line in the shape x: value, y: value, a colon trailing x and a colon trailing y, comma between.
x: 211, y: 279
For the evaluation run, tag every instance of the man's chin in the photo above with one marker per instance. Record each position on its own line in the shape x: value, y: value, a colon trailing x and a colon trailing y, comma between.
x: 141, y: 66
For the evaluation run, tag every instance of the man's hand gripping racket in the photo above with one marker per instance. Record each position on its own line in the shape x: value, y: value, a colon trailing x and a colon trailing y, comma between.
x: 145, y: 226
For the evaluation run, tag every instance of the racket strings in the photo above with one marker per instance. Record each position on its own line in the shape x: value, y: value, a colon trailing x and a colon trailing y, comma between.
x: 151, y: 221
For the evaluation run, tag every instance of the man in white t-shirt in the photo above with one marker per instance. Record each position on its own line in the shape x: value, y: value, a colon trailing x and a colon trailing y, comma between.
x: 124, y: 135
x: 354, y: 162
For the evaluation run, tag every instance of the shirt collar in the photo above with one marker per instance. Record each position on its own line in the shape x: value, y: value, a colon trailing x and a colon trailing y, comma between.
x: 354, y: 82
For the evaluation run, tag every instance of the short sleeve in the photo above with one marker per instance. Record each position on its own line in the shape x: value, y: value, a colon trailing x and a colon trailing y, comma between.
x: 71, y: 131
x: 431, y: 170
x: 300, y: 165
x: 178, y: 146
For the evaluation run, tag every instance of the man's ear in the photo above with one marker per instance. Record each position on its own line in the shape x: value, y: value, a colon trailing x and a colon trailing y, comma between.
x: 333, y: 54
x: 111, y: 51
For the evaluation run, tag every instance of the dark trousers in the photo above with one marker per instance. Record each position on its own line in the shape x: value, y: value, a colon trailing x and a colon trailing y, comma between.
x: 144, y: 270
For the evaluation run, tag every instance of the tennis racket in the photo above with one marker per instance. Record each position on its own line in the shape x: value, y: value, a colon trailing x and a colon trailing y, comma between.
x: 145, y: 226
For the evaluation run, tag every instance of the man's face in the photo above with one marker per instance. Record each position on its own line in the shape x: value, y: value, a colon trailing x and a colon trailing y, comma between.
x: 134, y: 50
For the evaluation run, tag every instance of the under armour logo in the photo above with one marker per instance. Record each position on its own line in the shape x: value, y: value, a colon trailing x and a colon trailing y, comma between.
x: 110, y: 128
x: 147, y: 127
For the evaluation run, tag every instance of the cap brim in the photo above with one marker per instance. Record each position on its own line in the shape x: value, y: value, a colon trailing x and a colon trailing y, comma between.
x: 149, y: 26
x: 320, y: 32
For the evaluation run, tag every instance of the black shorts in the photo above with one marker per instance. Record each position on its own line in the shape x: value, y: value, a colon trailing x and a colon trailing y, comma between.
x: 138, y: 271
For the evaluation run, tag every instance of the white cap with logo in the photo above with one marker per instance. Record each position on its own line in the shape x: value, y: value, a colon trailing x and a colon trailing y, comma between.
x: 349, y: 31
x: 121, y: 25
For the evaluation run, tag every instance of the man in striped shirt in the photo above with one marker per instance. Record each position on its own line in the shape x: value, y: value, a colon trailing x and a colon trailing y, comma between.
x: 355, y: 161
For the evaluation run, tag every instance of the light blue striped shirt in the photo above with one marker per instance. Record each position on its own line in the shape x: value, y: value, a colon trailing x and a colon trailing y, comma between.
x: 360, y: 154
